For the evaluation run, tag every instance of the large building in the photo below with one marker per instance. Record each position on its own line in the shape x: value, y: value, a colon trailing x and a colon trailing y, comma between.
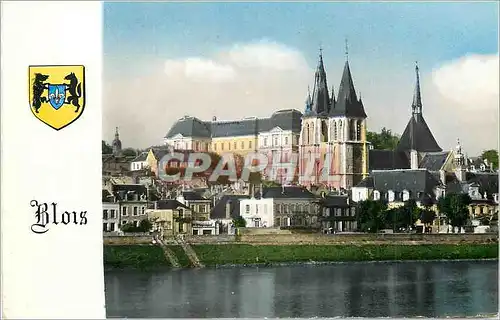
x: 333, y: 137
x: 275, y: 136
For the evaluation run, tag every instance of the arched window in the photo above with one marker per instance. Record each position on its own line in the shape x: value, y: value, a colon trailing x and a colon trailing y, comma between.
x: 308, y: 129
x: 334, y: 130
x: 358, y: 130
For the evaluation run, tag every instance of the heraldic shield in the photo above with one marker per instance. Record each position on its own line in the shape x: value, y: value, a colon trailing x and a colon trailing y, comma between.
x: 57, y: 94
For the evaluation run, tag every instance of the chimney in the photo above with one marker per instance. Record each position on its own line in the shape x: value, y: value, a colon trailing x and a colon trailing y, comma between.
x: 228, y: 209
x: 413, y: 159
x: 442, y: 176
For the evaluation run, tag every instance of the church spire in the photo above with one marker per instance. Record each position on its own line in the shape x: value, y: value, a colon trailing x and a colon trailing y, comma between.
x: 347, y: 103
x: 117, y: 144
x: 416, y: 106
x: 332, y: 98
x: 320, y: 97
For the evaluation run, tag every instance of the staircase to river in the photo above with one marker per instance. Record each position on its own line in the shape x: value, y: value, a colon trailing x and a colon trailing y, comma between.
x: 190, y: 253
x: 170, y: 255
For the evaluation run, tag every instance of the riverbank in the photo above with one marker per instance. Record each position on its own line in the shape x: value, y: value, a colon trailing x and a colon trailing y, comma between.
x: 214, y: 255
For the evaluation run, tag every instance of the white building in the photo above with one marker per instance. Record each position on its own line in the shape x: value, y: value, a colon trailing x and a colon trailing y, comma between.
x: 258, y: 213
x: 139, y: 162
x: 210, y: 227
x: 110, y: 213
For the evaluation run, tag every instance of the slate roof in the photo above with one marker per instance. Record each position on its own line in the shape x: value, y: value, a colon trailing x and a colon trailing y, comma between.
x: 288, y: 119
x: 219, y: 210
x: 169, y: 204
x: 434, y: 161
x: 290, y: 192
x: 193, y: 196
x: 417, y: 135
x: 336, y: 201
x: 189, y: 126
x: 347, y: 103
x: 106, y: 196
x: 141, y: 157
x: 387, y: 159
x: 420, y: 183
x: 159, y: 153
x: 320, y: 101
x: 120, y: 190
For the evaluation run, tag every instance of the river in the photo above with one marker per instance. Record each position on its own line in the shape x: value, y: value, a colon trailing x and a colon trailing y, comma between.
x: 392, y: 289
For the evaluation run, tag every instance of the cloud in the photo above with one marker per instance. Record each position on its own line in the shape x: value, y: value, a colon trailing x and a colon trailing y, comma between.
x: 466, y: 93
x: 255, y: 79
x: 200, y: 69
x: 266, y: 54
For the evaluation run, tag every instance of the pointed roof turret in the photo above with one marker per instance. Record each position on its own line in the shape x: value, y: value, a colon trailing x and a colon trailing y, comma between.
x: 347, y: 103
x: 417, y: 135
x: 320, y: 97
x: 416, y: 106
x: 332, y: 98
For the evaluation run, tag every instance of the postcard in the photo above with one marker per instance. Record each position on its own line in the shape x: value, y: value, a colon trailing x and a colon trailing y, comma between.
x: 257, y: 160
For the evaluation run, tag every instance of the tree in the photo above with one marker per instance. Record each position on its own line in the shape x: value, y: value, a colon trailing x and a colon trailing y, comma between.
x: 239, y: 222
x: 145, y: 225
x: 427, y: 216
x: 106, y: 148
x: 385, y: 140
x: 492, y: 157
x: 129, y: 152
x: 455, y: 207
x: 371, y: 215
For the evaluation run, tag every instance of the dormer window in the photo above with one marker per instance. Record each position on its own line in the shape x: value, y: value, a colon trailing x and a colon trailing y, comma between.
x: 472, y: 167
x: 406, y: 195
x: 495, y: 197
x: 376, y: 195
x: 483, y: 167
x: 390, y: 196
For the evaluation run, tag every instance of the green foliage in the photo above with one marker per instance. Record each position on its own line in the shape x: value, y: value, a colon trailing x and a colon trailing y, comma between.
x: 181, y: 256
x: 403, y: 217
x: 371, y: 215
x: 135, y: 256
x: 270, y: 183
x: 385, y: 140
x: 239, y: 222
x: 455, y: 207
x: 129, y: 152
x: 427, y: 216
x: 492, y: 157
x: 106, y: 148
x: 144, y: 226
x: 212, y: 255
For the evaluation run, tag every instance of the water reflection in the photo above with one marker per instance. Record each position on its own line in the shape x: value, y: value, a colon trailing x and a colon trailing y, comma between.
x: 352, y: 290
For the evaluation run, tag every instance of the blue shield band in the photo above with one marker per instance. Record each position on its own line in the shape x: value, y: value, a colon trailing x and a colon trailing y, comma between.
x: 57, y: 95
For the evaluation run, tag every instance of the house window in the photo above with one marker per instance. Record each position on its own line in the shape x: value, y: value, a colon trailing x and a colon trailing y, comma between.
x: 242, y: 145
x: 235, y: 145
x: 181, y: 227
x: 249, y: 144
x: 215, y: 146
x: 104, y: 227
x: 105, y: 214
x: 195, y: 232
x: 135, y: 211
x: 201, y: 208
x: 229, y: 145
x: 222, y: 146
x: 265, y: 142
x: 256, y: 223
x: 207, y: 232
x: 113, y: 213
x: 143, y: 210
x: 112, y: 226
x: 247, y: 208
x: 124, y: 221
x: 257, y: 208
x: 124, y: 211
x: 286, y: 141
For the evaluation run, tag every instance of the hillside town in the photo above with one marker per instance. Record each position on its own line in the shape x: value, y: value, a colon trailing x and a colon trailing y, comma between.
x: 415, y: 186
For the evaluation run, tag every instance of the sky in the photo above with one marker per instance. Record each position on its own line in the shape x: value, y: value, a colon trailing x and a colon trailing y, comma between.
x: 164, y: 60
